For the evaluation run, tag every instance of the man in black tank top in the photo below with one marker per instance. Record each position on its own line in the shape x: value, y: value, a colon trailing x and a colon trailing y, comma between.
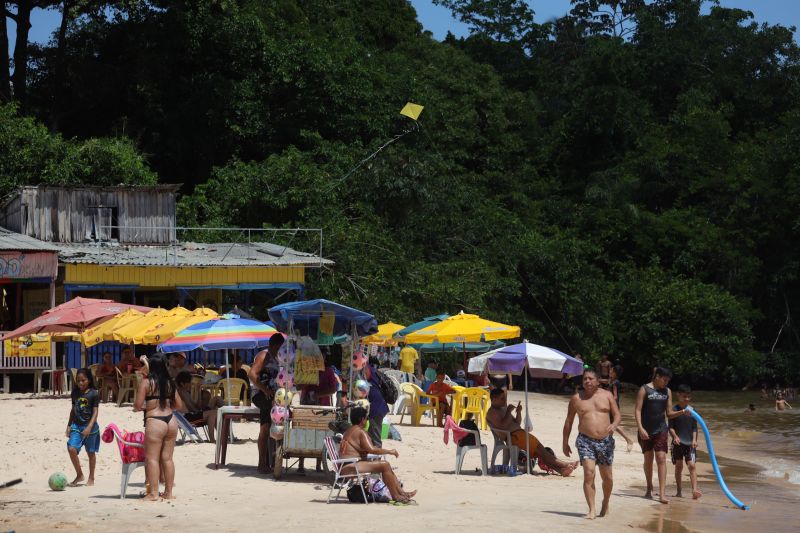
x: 653, y: 408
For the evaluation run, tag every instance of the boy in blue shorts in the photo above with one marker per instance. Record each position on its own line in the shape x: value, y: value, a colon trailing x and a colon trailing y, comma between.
x: 82, y: 428
x: 683, y: 431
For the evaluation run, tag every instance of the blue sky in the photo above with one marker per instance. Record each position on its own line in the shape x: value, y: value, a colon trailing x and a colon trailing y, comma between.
x: 439, y: 21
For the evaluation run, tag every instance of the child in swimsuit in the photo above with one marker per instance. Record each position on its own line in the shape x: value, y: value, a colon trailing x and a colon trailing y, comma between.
x: 82, y: 428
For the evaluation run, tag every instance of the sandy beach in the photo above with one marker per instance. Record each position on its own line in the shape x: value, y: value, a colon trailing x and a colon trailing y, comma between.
x: 236, y: 497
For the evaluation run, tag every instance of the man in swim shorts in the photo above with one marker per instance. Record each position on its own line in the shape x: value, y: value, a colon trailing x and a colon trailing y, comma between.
x: 500, y: 417
x: 598, y: 418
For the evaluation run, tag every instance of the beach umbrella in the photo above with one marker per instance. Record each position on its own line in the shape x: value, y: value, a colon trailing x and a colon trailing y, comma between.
x: 384, y: 337
x: 522, y: 358
x: 463, y: 328
x: 221, y: 334
x: 74, y: 316
x: 452, y: 347
x: 133, y: 332
x: 424, y: 323
x: 96, y: 335
x: 311, y: 316
x: 172, y: 325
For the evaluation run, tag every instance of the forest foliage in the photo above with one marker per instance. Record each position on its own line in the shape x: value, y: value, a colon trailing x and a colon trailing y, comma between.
x: 622, y: 180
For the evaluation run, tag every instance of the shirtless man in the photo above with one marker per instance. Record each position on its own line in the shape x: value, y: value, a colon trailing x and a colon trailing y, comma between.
x: 781, y: 404
x: 603, y: 369
x: 356, y: 443
x: 598, y: 418
x: 500, y: 417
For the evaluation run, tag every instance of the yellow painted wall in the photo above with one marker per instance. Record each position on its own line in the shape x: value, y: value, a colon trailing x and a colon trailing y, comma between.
x: 180, y: 276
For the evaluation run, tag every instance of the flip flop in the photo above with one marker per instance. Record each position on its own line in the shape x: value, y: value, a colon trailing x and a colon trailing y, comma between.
x: 403, y: 504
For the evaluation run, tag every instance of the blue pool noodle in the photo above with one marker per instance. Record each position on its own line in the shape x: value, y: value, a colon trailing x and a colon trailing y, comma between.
x: 713, y: 457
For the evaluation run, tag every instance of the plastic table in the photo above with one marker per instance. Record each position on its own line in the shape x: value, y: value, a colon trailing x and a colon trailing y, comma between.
x: 224, y: 416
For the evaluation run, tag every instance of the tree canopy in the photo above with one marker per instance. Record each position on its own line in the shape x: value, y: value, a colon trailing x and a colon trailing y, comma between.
x: 622, y: 180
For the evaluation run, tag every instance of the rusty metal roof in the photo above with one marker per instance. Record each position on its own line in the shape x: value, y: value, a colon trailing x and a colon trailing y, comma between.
x: 254, y: 254
x: 11, y: 240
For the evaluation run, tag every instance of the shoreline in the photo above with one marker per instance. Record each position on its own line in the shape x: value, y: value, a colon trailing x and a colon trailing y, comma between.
x: 235, y: 497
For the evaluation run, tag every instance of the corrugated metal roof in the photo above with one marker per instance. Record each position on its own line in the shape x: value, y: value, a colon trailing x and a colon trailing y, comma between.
x: 187, y: 254
x: 11, y: 240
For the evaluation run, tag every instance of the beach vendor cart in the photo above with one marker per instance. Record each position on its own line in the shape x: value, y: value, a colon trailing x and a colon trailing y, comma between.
x: 300, y: 430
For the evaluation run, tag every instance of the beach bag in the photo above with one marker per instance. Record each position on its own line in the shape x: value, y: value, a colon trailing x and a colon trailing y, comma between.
x: 387, y: 386
x: 354, y: 494
x: 378, y: 491
x: 131, y: 454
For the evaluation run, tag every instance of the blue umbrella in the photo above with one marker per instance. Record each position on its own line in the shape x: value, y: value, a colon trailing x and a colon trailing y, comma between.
x: 305, y: 317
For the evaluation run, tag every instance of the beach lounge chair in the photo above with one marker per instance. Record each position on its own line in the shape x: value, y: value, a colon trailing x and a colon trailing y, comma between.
x: 342, y: 481
x: 127, y: 466
x: 188, y: 430
x: 503, y: 443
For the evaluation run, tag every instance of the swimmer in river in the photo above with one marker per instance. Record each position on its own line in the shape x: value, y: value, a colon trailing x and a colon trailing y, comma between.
x: 781, y: 404
x: 751, y: 407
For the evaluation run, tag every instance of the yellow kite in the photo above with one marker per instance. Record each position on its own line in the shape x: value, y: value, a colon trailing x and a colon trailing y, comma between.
x: 412, y: 111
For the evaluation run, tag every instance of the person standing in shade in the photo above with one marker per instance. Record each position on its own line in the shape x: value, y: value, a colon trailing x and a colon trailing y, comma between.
x: 653, y: 408
x: 378, y: 408
x: 409, y: 361
x: 263, y: 386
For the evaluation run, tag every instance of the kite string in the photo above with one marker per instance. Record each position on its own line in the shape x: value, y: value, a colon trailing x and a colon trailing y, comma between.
x: 361, y: 163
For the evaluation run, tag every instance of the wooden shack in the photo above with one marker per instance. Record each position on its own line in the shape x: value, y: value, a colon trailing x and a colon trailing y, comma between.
x: 80, y: 214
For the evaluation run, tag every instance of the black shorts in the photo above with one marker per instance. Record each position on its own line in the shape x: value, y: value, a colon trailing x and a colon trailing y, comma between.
x: 260, y: 400
x: 685, y: 452
x: 193, y: 416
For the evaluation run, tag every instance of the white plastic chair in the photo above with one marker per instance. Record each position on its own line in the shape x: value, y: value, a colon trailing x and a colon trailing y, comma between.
x: 341, y: 480
x: 461, y: 451
x: 503, y: 443
x: 127, y: 468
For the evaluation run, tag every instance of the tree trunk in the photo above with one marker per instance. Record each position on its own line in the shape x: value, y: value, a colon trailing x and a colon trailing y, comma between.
x: 60, y: 74
x: 20, y: 76
x: 5, y: 65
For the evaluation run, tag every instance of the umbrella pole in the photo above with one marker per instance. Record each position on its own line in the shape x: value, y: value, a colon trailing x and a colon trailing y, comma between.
x: 228, y: 370
x: 527, y: 434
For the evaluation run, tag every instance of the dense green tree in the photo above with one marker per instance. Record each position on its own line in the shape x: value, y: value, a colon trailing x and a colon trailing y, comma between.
x: 621, y: 180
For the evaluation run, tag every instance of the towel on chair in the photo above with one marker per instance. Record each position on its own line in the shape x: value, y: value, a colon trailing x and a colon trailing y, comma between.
x: 458, y: 433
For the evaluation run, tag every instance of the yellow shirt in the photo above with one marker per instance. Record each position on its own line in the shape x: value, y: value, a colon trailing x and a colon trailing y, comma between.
x: 408, y: 356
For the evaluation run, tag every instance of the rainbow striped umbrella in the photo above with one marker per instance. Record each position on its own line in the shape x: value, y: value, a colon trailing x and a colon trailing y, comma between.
x: 220, y: 334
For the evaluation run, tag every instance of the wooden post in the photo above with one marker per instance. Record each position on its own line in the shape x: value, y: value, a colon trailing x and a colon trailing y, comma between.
x: 52, y: 343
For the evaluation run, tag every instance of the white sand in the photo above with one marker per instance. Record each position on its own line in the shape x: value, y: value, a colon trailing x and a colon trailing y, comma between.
x: 235, y: 497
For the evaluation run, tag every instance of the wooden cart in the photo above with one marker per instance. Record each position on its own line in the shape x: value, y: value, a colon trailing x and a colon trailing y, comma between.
x: 304, y: 437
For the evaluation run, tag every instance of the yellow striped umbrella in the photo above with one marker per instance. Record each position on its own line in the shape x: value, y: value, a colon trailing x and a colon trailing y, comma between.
x: 384, y: 335
x: 463, y: 328
x: 98, y: 334
x: 166, y: 329
x: 133, y: 332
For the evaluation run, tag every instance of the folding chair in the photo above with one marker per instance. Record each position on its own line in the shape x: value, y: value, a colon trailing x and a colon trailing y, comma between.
x: 187, y: 429
x: 339, y: 464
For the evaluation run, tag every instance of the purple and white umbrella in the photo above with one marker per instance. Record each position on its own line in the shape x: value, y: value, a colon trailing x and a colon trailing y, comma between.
x: 515, y: 359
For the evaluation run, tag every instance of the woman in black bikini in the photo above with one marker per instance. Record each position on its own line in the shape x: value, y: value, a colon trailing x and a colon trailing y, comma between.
x: 356, y: 443
x: 156, y: 397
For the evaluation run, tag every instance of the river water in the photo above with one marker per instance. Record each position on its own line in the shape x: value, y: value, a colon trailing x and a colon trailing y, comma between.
x: 759, y: 455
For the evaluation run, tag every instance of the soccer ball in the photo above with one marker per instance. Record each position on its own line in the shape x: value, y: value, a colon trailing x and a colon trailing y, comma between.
x: 359, y: 360
x: 286, y: 354
x: 362, y: 387
x: 283, y: 397
x: 285, y: 378
x: 276, y: 431
x: 278, y: 414
x: 57, y: 481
